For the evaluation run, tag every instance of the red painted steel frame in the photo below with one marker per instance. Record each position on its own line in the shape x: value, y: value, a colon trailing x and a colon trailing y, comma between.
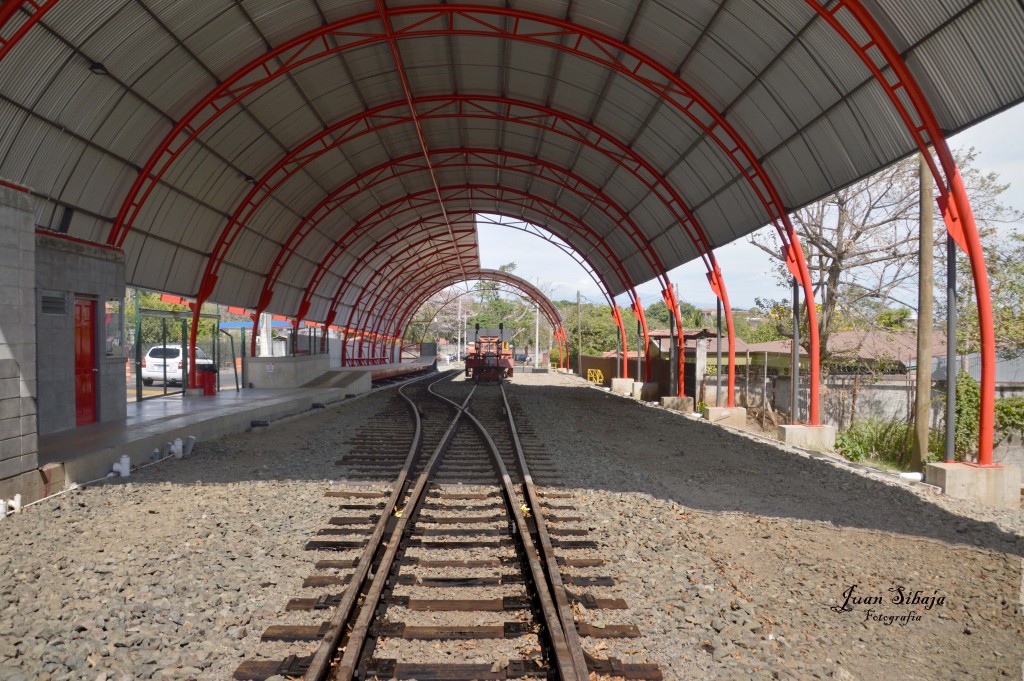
x: 35, y: 10
x: 441, y: 107
x: 583, y: 42
x: 352, y: 273
x: 416, y: 288
x: 462, y: 158
x: 468, y: 192
x: 952, y: 198
x: 550, y: 311
x: 385, y: 20
x: 364, y: 261
x: 518, y: 292
x: 338, y: 295
x: 380, y: 279
x: 289, y: 166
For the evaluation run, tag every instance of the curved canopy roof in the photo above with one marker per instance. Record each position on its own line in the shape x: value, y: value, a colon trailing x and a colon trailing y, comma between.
x: 293, y: 154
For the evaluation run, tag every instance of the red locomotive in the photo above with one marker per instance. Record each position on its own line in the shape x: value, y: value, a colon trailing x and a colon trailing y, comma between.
x: 489, y: 358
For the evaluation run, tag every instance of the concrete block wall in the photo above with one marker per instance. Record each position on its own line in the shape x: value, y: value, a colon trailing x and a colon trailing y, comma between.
x: 286, y: 372
x: 18, y: 434
x: 71, y: 268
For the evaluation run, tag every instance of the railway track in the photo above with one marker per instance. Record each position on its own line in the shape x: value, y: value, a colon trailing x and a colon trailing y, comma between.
x: 447, y: 561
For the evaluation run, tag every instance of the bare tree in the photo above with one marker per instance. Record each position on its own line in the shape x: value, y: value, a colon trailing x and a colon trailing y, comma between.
x: 861, y: 243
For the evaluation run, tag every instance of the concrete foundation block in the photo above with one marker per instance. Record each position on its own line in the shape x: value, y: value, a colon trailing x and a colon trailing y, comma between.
x: 53, y: 478
x: 992, y: 486
x: 735, y: 417
x: 821, y: 438
x: 622, y: 386
x: 648, y: 392
x: 683, y: 404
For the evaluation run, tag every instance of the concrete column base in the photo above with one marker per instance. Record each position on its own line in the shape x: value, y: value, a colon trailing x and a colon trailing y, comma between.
x: 34, y: 485
x: 992, y: 486
x: 821, y: 438
x: 735, y: 417
x: 683, y: 404
x: 622, y: 386
x: 648, y: 392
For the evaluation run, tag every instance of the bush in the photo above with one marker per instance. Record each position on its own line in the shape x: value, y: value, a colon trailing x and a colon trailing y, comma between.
x: 886, y: 441
x: 968, y: 407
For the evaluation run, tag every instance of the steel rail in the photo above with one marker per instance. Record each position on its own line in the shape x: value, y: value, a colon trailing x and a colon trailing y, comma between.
x: 321, y: 661
x: 564, y: 659
x: 547, y: 551
x: 569, y: 657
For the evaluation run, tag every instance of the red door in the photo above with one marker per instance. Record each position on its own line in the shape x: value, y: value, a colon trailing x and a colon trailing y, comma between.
x: 85, y: 361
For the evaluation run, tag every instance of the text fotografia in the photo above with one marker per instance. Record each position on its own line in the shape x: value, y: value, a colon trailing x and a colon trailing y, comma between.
x: 898, y: 596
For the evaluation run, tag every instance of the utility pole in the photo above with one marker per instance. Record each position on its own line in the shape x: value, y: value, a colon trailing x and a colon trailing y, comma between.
x: 579, y: 329
x: 718, y: 353
x: 536, y: 337
x: 950, y: 349
x: 926, y: 253
x: 794, y: 389
x: 458, y: 331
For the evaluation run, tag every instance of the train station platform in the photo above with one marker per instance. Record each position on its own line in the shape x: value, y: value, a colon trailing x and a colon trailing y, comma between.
x: 88, y: 453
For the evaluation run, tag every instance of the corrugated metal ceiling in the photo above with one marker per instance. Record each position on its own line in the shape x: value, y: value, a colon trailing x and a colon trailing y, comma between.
x: 793, y: 89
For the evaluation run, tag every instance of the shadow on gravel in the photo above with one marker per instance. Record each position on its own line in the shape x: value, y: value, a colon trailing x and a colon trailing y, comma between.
x: 649, y: 451
x: 708, y: 468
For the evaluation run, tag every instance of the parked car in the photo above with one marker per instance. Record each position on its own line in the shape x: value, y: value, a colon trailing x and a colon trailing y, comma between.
x: 159, y: 356
x: 522, y: 357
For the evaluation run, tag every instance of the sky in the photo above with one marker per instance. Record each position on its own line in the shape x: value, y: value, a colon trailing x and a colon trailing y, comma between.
x: 747, y: 270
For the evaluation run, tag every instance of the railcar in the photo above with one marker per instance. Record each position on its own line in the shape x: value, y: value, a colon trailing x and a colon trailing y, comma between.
x: 489, y: 359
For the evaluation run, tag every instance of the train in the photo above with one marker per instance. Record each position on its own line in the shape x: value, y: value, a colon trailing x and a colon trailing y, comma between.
x: 489, y: 358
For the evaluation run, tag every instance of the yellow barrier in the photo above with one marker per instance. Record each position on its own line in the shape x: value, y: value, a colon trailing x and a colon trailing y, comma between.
x: 595, y: 376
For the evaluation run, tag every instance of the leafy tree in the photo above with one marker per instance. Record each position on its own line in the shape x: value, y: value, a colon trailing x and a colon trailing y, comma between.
x: 1004, y: 258
x: 152, y: 329
x: 894, y: 318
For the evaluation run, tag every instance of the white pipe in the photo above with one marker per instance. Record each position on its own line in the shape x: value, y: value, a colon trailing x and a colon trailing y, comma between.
x: 3, y: 508
x: 176, y: 446
x: 189, y: 444
x: 16, y: 504
x: 912, y: 477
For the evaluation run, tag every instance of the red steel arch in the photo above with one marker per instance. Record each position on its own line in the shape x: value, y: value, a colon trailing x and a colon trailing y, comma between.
x: 379, y: 279
x: 424, y: 199
x: 529, y: 291
x: 849, y: 18
x: 584, y: 42
x: 427, y: 202
x: 953, y: 200
x: 441, y: 107
x: 509, y: 162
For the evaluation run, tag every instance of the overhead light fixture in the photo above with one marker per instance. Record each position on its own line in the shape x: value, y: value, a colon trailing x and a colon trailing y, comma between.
x: 250, y: 179
x: 99, y: 69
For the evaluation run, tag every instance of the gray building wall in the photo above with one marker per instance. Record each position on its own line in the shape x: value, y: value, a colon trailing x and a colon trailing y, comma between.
x: 68, y: 268
x: 18, y: 438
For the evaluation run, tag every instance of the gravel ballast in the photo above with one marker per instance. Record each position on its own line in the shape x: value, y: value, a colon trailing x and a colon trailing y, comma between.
x: 733, y: 555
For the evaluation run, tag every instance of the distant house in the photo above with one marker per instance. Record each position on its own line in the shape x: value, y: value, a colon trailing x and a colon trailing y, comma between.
x: 893, y: 352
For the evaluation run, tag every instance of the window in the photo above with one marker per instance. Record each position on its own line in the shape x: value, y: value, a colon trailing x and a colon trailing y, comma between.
x: 115, y: 327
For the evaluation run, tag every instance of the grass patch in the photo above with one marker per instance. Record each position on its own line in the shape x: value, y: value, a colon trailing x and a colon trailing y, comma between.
x: 883, y: 443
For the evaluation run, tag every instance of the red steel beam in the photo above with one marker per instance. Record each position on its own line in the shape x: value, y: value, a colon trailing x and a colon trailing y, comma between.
x: 550, y: 311
x: 528, y: 291
x: 468, y: 193
x: 528, y: 27
x: 850, y: 19
x: 381, y: 276
x: 385, y: 20
x: 35, y: 12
